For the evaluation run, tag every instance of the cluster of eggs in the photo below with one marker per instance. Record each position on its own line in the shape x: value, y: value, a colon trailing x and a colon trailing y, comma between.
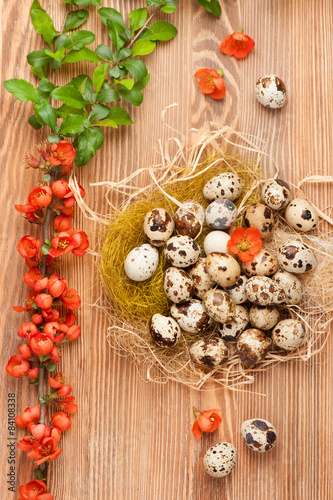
x: 258, y: 434
x: 217, y: 297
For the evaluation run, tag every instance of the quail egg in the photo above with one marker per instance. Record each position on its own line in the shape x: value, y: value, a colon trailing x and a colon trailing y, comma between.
x: 252, y: 346
x: 178, y: 285
x: 219, y: 306
x: 288, y: 334
x: 226, y: 185
x: 258, y: 434
x: 201, y: 280
x: 237, y: 291
x: 261, y: 217
x: 264, y: 317
x: 271, y: 91
x: 220, y: 459
x: 230, y: 331
x: 291, y: 285
x: 209, y: 352
x: 216, y: 241
x: 141, y: 263
x: 296, y: 257
x: 158, y: 226
x: 191, y: 316
x: 181, y: 251
x: 221, y: 214
x: 223, y: 268
x: 189, y: 223
x: 301, y: 215
x: 164, y: 330
x: 276, y: 193
x: 264, y: 291
x: 263, y: 264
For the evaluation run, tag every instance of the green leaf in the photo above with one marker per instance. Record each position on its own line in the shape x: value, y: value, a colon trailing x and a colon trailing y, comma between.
x: 55, y: 64
x: 114, y: 72
x: 43, y: 357
x: 106, y: 14
x: 133, y: 96
x: 84, y: 3
x: 65, y: 110
x: 46, y: 178
x: 82, y: 55
x: 127, y: 82
x: 105, y: 52
x: 160, y: 31
x: 80, y: 39
x: 100, y: 75
x: 169, y: 8
x: 84, y: 84
x: 34, y: 123
x: 42, y: 22
x: 213, y: 6
x: 98, y: 112
x: 137, y: 18
x: 48, y: 115
x: 107, y: 95
x: 22, y: 90
x: 141, y: 84
x: 119, y: 116
x: 45, y: 249
x: 143, y: 47
x: 115, y: 30
x: 124, y: 53
x: 61, y: 41
x: 54, y: 138
x: 58, y: 55
x: 76, y: 19
x: 107, y: 123
x: 45, y: 88
x: 51, y: 367
x: 38, y: 58
x: 136, y: 67
x: 74, y: 124
x: 69, y: 95
x: 88, y: 143
x: 40, y: 72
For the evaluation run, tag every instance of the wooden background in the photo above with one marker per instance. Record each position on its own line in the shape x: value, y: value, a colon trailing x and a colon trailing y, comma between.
x: 131, y: 440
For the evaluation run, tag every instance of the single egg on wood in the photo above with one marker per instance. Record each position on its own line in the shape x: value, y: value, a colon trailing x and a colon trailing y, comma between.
x: 264, y: 317
x: 301, y: 215
x: 220, y: 459
x: 263, y: 264
x: 178, y: 285
x: 271, y: 91
x: 181, y: 251
x: 258, y: 434
x: 227, y: 185
x: 288, y: 334
x: 276, y: 193
x: 296, y: 257
x: 189, y: 223
x: 252, y: 346
x: 158, y: 226
x: 219, y: 306
x: 261, y: 217
x: 264, y: 291
x: 216, y: 241
x: 223, y: 268
x: 141, y: 262
x: 291, y: 285
x: 209, y: 352
x: 191, y: 316
x: 164, y: 330
x: 221, y: 214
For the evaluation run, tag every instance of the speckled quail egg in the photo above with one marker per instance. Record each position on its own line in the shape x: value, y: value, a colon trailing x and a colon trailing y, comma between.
x: 261, y: 217
x: 264, y: 317
x: 230, y: 331
x: 237, y: 291
x: 209, y: 352
x: 271, y: 91
x: 220, y: 459
x: 263, y: 264
x: 258, y: 434
x: 301, y: 215
x: 219, y: 306
x: 226, y: 185
x: 221, y: 214
x: 223, y: 268
x: 178, y: 285
x: 264, y: 291
x: 181, y: 251
x: 288, y: 334
x: 191, y: 316
x: 276, y: 193
x: 164, y: 330
x: 216, y: 241
x: 201, y: 280
x: 189, y: 223
x: 291, y: 285
x: 252, y: 346
x: 296, y: 257
x: 158, y: 226
x: 141, y: 263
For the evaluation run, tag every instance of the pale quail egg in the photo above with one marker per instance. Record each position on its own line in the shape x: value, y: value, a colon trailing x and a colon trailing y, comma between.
x: 223, y: 268
x: 252, y: 346
x: 258, y: 434
x: 181, y: 251
x: 237, y: 291
x: 264, y: 317
x: 219, y: 306
x: 226, y: 185
x: 201, y: 280
x: 263, y: 264
x: 178, y: 285
x: 261, y: 217
x: 141, y: 263
x: 296, y: 257
x: 158, y: 226
x: 164, y: 330
x: 288, y: 334
x: 271, y: 91
x: 220, y: 459
x: 209, y: 352
x: 189, y: 223
x: 301, y: 215
x: 191, y: 316
x: 230, y: 331
x: 216, y: 241
x: 221, y: 214
x: 264, y: 291
x: 276, y: 193
x: 291, y: 285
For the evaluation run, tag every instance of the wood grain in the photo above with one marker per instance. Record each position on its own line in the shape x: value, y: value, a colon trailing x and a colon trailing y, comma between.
x: 131, y: 440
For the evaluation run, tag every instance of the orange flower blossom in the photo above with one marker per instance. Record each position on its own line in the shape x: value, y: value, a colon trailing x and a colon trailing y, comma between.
x: 211, y: 82
x: 206, y: 421
x: 34, y: 490
x: 237, y: 44
x: 245, y: 243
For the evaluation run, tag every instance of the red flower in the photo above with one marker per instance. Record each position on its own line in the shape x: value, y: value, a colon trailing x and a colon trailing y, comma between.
x: 27, y: 209
x: 33, y: 373
x: 17, y: 366
x: 43, y: 300
x: 28, y: 247
x: 35, y: 490
x: 63, y: 243
x: 66, y: 404
x: 30, y: 161
x: 41, y: 343
x: 30, y: 414
x: 25, y: 351
x: 63, y: 154
x: 211, y: 82
x: 245, y: 243
x: 31, y: 277
x: 237, y: 44
x: 80, y: 241
x: 71, y: 299
x: 51, y: 315
x: 57, y: 381
x: 61, y: 420
x: 207, y: 421
x: 61, y: 223
x: 73, y: 332
x: 40, y: 196
x: 41, y: 285
x: 57, y: 286
x: 54, y: 355
x: 45, y: 450
x: 37, y: 319
x: 27, y: 329
x: 70, y: 318
x: 61, y: 189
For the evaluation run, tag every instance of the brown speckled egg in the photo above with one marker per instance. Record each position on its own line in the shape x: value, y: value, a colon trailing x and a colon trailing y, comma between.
x: 263, y: 264
x: 258, y: 434
x: 186, y: 223
x: 191, y: 316
x: 221, y: 214
x: 264, y: 291
x: 276, y: 193
x: 252, y: 346
x: 158, y: 226
x: 237, y: 291
x: 226, y: 185
x: 230, y: 331
x: 209, y: 352
x: 141, y: 262
x: 288, y: 334
x: 178, y: 285
x: 264, y: 317
x: 220, y: 459
x: 271, y: 91
x: 291, y: 285
x: 261, y: 217
x: 181, y: 251
x: 164, y: 330
x: 219, y: 306
x: 296, y: 257
x: 201, y: 280
x: 223, y: 268
x: 301, y: 215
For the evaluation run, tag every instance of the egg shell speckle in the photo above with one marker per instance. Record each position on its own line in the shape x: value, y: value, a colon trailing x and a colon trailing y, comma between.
x: 252, y: 346
x: 164, y: 330
x: 291, y: 285
x: 181, y: 251
x: 209, y: 352
x: 276, y: 193
x: 220, y: 459
x: 261, y: 217
x: 227, y: 185
x: 191, y: 316
x: 271, y: 91
x: 296, y: 257
x: 288, y: 334
x: 230, y: 331
x: 216, y: 241
x: 186, y: 223
x: 264, y: 317
x: 141, y: 262
x: 178, y: 285
x: 237, y: 291
x: 223, y: 268
x: 258, y: 434
x: 301, y: 215
x: 221, y: 214
x: 263, y: 264
x: 264, y: 291
x: 158, y: 226
x: 219, y: 306
x: 201, y: 280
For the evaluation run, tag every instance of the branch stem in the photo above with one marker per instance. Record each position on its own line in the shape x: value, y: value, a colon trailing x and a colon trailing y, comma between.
x: 144, y: 27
